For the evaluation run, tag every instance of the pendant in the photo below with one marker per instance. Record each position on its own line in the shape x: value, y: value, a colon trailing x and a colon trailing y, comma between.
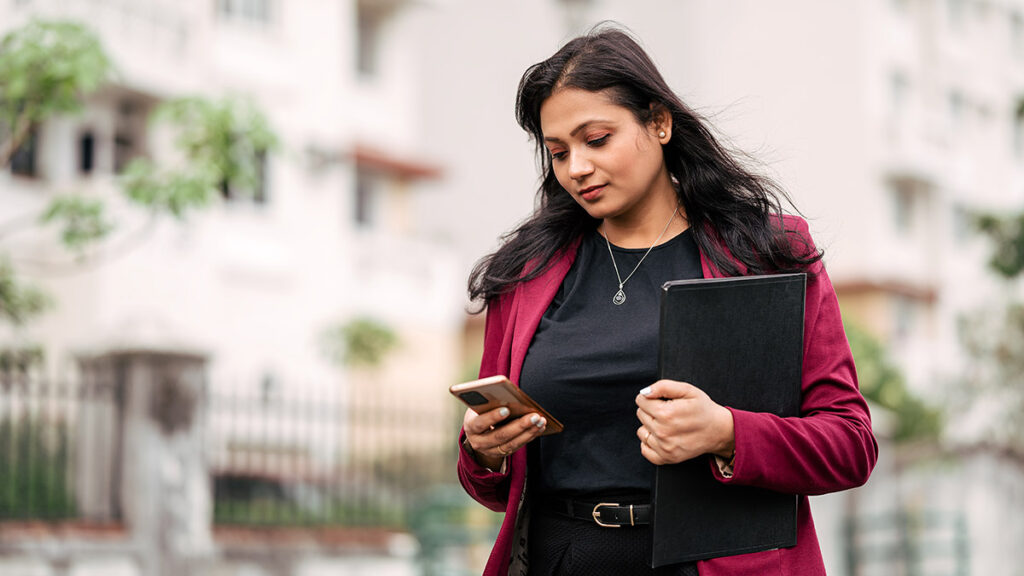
x: 619, y: 298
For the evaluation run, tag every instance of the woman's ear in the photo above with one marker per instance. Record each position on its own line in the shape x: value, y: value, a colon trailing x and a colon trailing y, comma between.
x: 661, y: 122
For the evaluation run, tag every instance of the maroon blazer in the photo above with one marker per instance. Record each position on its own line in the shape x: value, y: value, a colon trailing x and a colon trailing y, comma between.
x: 829, y: 448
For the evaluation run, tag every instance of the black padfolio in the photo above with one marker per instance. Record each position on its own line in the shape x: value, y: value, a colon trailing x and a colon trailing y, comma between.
x: 741, y: 341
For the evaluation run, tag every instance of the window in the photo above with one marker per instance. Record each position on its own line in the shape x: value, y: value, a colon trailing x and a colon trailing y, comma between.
x: 256, y: 12
x: 365, y: 199
x: 129, y: 134
x: 368, y: 47
x: 962, y: 223
x: 957, y: 110
x: 86, y: 153
x: 904, y: 317
x: 23, y: 160
x: 371, y: 19
x: 899, y: 92
x: 907, y: 198
x: 259, y: 194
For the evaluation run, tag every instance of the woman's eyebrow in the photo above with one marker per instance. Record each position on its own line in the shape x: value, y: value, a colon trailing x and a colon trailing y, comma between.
x: 577, y: 129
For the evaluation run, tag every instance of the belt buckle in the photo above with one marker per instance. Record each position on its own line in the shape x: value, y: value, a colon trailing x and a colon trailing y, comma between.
x: 597, y: 515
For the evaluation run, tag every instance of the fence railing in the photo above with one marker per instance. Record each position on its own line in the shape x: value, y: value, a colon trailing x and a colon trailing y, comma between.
x: 909, y: 542
x: 309, y: 461
x: 39, y: 443
x: 272, y: 462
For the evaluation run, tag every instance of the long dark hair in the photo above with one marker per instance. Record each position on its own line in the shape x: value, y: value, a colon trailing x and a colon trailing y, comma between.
x: 731, y: 210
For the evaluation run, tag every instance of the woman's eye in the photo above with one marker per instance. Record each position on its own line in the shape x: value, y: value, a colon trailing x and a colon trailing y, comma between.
x: 558, y: 155
x: 598, y: 141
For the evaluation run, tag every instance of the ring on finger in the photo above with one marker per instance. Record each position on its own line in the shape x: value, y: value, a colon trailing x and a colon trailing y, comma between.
x: 501, y: 450
x: 647, y: 438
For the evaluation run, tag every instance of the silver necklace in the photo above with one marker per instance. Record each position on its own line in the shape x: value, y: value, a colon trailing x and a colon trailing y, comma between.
x: 620, y: 296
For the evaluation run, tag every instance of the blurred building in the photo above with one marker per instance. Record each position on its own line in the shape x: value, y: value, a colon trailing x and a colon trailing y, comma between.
x: 252, y: 283
x: 327, y: 236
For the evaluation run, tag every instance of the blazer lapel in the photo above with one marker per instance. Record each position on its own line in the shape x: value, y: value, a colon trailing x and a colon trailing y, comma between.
x: 533, y: 298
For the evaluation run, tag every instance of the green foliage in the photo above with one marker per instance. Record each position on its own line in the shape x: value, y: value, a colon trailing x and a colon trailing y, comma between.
x: 994, y: 340
x: 82, y: 220
x: 19, y: 302
x: 48, y: 66
x: 1007, y: 235
x: 882, y: 383
x: 174, y: 192
x: 995, y: 344
x: 45, y: 69
x: 21, y: 359
x: 220, y: 138
x: 221, y: 142
x: 34, y: 459
x: 360, y: 343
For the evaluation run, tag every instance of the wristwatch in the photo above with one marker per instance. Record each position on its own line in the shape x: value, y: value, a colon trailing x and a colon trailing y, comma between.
x: 467, y: 447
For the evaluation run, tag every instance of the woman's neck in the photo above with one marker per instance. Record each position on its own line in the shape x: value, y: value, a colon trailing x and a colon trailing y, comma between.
x: 655, y: 227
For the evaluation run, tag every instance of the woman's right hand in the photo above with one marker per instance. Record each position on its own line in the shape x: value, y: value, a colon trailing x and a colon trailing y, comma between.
x: 491, y: 443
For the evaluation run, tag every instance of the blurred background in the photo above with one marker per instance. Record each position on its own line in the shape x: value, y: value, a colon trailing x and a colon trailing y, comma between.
x: 235, y: 236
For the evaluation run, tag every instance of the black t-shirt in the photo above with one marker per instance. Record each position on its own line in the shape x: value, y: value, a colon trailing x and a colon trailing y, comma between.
x: 588, y: 361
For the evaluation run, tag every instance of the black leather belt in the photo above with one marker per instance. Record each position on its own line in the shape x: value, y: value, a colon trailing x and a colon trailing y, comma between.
x: 606, y: 514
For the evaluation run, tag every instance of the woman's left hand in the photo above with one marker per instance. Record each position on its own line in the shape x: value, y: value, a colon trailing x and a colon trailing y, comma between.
x: 680, y: 422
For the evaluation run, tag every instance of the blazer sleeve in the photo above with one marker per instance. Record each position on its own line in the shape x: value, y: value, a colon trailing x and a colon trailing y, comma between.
x: 830, y: 446
x: 485, y: 486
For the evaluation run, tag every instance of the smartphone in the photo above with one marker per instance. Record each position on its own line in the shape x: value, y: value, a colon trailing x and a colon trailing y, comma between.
x: 487, y: 394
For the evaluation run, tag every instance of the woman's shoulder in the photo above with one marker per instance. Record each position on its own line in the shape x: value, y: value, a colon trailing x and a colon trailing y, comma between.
x: 792, y: 223
x: 798, y: 233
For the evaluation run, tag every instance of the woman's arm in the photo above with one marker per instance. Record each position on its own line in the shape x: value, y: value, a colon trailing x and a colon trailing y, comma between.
x: 831, y: 446
x: 484, y: 485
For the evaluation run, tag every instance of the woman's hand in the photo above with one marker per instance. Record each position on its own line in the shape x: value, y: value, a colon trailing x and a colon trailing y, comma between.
x: 490, y: 443
x: 680, y: 422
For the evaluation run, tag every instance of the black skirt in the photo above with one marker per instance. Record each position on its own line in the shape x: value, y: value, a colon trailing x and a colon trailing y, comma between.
x: 563, y: 546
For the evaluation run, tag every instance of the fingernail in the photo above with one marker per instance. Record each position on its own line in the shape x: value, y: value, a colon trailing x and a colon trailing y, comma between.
x: 541, y: 422
x: 503, y: 411
x: 534, y: 419
x: 646, y: 391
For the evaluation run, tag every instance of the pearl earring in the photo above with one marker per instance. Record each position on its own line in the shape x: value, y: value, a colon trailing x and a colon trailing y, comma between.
x: 661, y: 134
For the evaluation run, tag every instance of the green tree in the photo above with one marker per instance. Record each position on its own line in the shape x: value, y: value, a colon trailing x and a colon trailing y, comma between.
x: 882, y: 383
x: 1007, y: 236
x: 361, y: 343
x: 46, y: 68
x: 994, y: 340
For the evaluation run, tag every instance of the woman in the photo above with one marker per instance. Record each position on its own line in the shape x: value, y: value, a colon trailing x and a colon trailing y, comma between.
x: 636, y: 191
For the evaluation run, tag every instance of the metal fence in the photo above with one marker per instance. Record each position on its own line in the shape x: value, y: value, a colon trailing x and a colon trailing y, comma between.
x: 39, y: 456
x: 320, y: 461
x: 909, y: 543
x: 295, y: 461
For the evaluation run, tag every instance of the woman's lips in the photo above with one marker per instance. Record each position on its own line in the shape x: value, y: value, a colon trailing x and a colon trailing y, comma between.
x: 591, y: 193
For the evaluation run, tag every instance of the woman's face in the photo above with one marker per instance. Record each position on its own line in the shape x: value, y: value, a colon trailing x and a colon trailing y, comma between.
x: 610, y: 164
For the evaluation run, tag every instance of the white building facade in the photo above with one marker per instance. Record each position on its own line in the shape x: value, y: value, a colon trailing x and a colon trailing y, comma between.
x: 254, y: 280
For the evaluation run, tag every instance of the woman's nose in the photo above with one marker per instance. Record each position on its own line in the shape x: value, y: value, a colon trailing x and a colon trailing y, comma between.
x: 579, y: 166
